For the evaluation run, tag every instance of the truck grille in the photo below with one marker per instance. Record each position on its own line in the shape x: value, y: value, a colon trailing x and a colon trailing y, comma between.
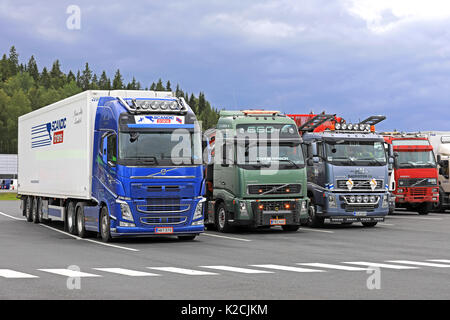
x: 163, y: 220
x: 360, y: 184
x: 416, y: 182
x: 418, y: 192
x: 269, y: 188
x: 163, y: 206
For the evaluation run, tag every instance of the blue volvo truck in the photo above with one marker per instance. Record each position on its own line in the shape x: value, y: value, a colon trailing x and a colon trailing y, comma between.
x: 347, y: 166
x: 116, y: 163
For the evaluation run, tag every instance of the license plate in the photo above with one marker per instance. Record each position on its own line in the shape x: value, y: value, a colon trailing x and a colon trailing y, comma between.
x: 277, y: 222
x: 164, y: 230
x: 360, y: 213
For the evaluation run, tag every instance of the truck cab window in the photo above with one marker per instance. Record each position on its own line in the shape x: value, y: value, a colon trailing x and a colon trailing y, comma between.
x: 112, y: 148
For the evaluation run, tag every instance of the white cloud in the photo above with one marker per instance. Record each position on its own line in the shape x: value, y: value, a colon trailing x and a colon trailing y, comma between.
x: 385, y: 15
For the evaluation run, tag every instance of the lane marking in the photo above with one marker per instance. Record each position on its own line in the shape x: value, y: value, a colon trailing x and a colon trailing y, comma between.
x: 70, y: 273
x: 332, y: 266
x: 316, y: 230
x: 424, y: 264
x: 440, y: 260
x: 188, y: 272
x: 128, y: 272
x: 11, y: 274
x: 414, y: 218
x: 236, y: 269
x: 12, y: 217
x: 285, y: 268
x: 386, y: 224
x: 225, y: 237
x: 381, y: 265
x: 73, y: 236
x: 89, y: 240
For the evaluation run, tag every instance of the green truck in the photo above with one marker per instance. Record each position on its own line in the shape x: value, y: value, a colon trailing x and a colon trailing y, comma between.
x: 255, y: 172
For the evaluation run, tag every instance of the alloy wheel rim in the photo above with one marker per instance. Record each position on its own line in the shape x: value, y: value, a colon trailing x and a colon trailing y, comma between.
x: 221, y: 218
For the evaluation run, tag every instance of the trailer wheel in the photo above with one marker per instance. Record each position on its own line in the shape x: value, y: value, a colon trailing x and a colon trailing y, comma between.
x: 81, y: 227
x: 71, y: 218
x: 40, y: 212
x: 28, y: 203
x: 221, y: 219
x: 34, y: 210
x: 290, y: 227
x: 105, y: 231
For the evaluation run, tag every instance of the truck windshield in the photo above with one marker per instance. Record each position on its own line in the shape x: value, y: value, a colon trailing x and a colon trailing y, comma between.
x: 355, y: 153
x: 159, y: 148
x: 287, y: 156
x: 416, y: 159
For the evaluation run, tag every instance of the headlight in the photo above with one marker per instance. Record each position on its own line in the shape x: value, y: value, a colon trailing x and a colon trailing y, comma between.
x: 350, y: 126
x: 344, y: 126
x: 352, y: 199
x: 359, y: 199
x: 304, y: 205
x: 198, y: 213
x: 126, y: 211
x: 432, y: 181
x: 385, y: 202
x: 435, y: 190
x: 337, y: 126
x: 373, y: 199
x: 365, y: 199
x: 400, y: 190
x: 332, y: 201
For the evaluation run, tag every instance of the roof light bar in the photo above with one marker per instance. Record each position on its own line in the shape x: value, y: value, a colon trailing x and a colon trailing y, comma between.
x: 155, y: 105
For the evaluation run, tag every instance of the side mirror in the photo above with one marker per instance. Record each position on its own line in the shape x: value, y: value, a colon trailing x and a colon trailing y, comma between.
x: 438, y: 159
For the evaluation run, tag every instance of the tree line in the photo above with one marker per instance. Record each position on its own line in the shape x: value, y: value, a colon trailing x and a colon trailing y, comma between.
x: 25, y: 88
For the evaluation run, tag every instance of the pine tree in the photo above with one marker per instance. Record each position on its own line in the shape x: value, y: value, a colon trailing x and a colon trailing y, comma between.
x: 159, y: 85
x: 168, y: 88
x: 32, y: 69
x: 104, y: 83
x: 13, y: 61
x: 153, y: 87
x: 56, y: 75
x: 44, y: 79
x: 86, y: 77
x: 71, y: 77
x: 117, y: 82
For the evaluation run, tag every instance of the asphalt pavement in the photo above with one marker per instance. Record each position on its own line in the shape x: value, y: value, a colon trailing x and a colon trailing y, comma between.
x: 406, y: 257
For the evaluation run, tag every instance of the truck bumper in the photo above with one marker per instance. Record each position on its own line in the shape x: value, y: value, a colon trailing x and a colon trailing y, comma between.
x: 156, y: 231
x: 273, y: 212
x: 341, y: 208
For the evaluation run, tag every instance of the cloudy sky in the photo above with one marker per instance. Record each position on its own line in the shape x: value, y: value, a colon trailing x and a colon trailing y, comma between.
x: 351, y: 57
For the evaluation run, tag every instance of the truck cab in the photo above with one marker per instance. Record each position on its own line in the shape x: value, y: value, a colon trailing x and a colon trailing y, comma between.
x: 256, y: 173
x: 440, y: 140
x: 415, y: 172
x: 347, y: 168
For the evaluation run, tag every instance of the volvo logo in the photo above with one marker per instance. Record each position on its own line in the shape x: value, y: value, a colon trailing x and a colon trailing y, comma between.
x: 163, y: 171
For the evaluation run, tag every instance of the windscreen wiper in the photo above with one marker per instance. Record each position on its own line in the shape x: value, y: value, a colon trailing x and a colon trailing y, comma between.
x: 372, y: 159
x: 291, y: 162
x: 149, y: 159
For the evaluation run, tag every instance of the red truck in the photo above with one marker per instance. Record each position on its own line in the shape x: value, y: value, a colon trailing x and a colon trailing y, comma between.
x: 415, y: 171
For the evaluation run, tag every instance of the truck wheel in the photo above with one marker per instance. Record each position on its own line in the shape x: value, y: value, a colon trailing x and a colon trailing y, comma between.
x: 313, y: 220
x: 28, y: 209
x: 222, y: 223
x: 369, y: 224
x: 81, y: 228
x: 71, y: 224
x: 187, y: 238
x: 105, y: 231
x: 290, y: 227
x: 34, y: 210
x: 40, y: 212
x: 425, y: 208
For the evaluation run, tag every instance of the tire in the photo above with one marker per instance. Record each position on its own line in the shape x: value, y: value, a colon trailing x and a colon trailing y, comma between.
x: 221, y: 219
x: 34, y: 210
x: 71, y: 218
x: 425, y: 208
x: 290, y: 227
x: 187, y: 238
x: 369, y: 224
x: 28, y: 206
x: 105, y: 231
x: 313, y: 220
x: 40, y: 212
x: 80, y: 222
